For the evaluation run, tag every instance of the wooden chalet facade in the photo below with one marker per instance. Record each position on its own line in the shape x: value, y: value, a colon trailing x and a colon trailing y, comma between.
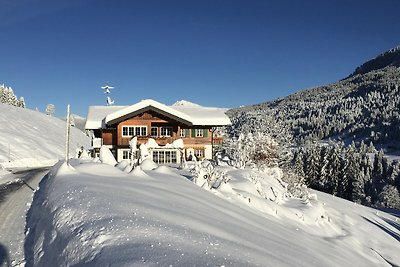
x: 116, y: 126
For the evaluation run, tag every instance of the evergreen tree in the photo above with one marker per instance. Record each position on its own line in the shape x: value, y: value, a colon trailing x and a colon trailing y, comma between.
x: 298, y: 163
x: 377, y: 176
x: 389, y: 197
x: 311, y: 167
x: 50, y: 109
x: 21, y: 102
x: 323, y: 171
x: 334, y: 165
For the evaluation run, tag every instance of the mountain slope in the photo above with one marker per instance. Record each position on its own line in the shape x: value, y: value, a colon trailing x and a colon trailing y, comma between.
x: 30, y: 138
x: 364, y: 106
x: 389, y: 58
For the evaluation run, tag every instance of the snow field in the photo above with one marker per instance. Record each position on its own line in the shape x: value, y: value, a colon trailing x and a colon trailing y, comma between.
x: 96, y: 214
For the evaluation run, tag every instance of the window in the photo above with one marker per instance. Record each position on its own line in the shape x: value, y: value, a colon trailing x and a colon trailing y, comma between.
x: 166, y: 131
x: 125, y: 154
x: 143, y: 131
x: 199, y: 153
x: 198, y: 132
x: 164, y: 156
x: 154, y: 131
x: 128, y: 131
x: 183, y: 132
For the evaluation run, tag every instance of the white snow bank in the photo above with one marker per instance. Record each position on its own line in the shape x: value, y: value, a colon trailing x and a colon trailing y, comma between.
x: 148, y: 164
x: 29, y: 138
x: 97, y: 215
x: 106, y: 156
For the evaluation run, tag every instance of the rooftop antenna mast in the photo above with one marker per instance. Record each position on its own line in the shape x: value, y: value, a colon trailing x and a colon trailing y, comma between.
x: 107, y: 90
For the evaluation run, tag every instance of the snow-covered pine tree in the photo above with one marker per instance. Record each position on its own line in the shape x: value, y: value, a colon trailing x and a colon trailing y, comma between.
x: 377, y: 176
x: 389, y: 197
x: 21, y: 102
x: 50, y: 109
x: 323, y: 171
x: 334, y: 170
x: 311, y: 169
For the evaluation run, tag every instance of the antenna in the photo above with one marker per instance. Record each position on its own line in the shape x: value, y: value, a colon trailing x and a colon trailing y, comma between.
x: 107, y: 90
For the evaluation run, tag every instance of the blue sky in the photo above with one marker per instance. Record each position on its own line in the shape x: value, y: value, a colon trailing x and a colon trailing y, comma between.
x: 216, y: 53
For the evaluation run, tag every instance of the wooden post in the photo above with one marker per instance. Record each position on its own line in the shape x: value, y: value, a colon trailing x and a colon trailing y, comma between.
x: 67, y: 135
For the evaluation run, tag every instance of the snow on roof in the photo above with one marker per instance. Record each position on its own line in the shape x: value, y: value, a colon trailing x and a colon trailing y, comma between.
x: 189, y: 114
x: 96, y: 115
x: 142, y: 106
x: 205, y: 116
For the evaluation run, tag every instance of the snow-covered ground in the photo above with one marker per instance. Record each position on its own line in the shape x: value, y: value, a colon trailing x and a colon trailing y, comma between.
x: 91, y: 213
x: 30, y: 139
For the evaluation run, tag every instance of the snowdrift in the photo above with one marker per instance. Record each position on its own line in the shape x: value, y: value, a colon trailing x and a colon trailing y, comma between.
x: 29, y: 138
x: 94, y: 214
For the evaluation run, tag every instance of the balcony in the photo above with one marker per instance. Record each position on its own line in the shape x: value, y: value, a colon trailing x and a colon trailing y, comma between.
x: 143, y: 139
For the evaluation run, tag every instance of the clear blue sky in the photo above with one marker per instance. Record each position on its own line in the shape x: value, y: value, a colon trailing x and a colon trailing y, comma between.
x: 216, y: 53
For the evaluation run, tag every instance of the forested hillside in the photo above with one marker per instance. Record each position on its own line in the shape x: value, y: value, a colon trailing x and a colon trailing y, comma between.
x: 364, y: 106
x: 333, y: 132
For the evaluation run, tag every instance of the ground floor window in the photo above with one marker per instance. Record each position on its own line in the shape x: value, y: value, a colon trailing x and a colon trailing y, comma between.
x: 125, y: 154
x: 164, y: 156
x: 199, y: 153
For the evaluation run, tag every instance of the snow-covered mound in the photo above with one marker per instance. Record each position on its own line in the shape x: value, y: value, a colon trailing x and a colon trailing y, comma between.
x: 94, y: 214
x: 30, y: 138
x: 185, y: 103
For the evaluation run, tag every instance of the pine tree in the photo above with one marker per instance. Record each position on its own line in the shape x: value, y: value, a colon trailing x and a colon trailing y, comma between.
x: 311, y: 167
x: 377, y: 177
x: 389, y: 197
x: 21, y: 102
x: 50, y: 109
x: 298, y: 163
x: 335, y: 162
x: 323, y: 170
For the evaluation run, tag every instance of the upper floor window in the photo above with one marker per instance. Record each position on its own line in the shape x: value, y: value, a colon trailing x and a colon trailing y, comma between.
x: 166, y: 131
x: 128, y: 131
x: 183, y: 133
x: 199, y: 133
x: 154, y: 131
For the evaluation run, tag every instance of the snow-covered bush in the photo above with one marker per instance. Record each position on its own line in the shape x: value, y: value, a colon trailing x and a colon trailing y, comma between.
x: 106, y: 156
x: 206, y: 175
x: 295, y: 184
x: 252, y: 149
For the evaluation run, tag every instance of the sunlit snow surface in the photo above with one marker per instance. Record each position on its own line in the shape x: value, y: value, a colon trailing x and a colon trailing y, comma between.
x: 96, y: 214
x: 29, y: 138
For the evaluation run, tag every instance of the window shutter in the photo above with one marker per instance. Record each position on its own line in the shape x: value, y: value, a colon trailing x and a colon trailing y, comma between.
x: 193, y: 133
x: 205, y: 133
x: 187, y: 132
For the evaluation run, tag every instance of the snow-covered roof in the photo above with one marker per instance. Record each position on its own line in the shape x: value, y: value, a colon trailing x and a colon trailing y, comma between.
x: 188, y: 114
x: 96, y: 115
x: 205, y: 115
x: 145, y: 105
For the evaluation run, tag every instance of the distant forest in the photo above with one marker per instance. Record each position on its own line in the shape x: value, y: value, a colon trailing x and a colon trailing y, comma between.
x: 321, y: 132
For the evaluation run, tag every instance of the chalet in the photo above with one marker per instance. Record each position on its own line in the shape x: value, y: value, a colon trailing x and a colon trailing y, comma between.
x: 115, y: 126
